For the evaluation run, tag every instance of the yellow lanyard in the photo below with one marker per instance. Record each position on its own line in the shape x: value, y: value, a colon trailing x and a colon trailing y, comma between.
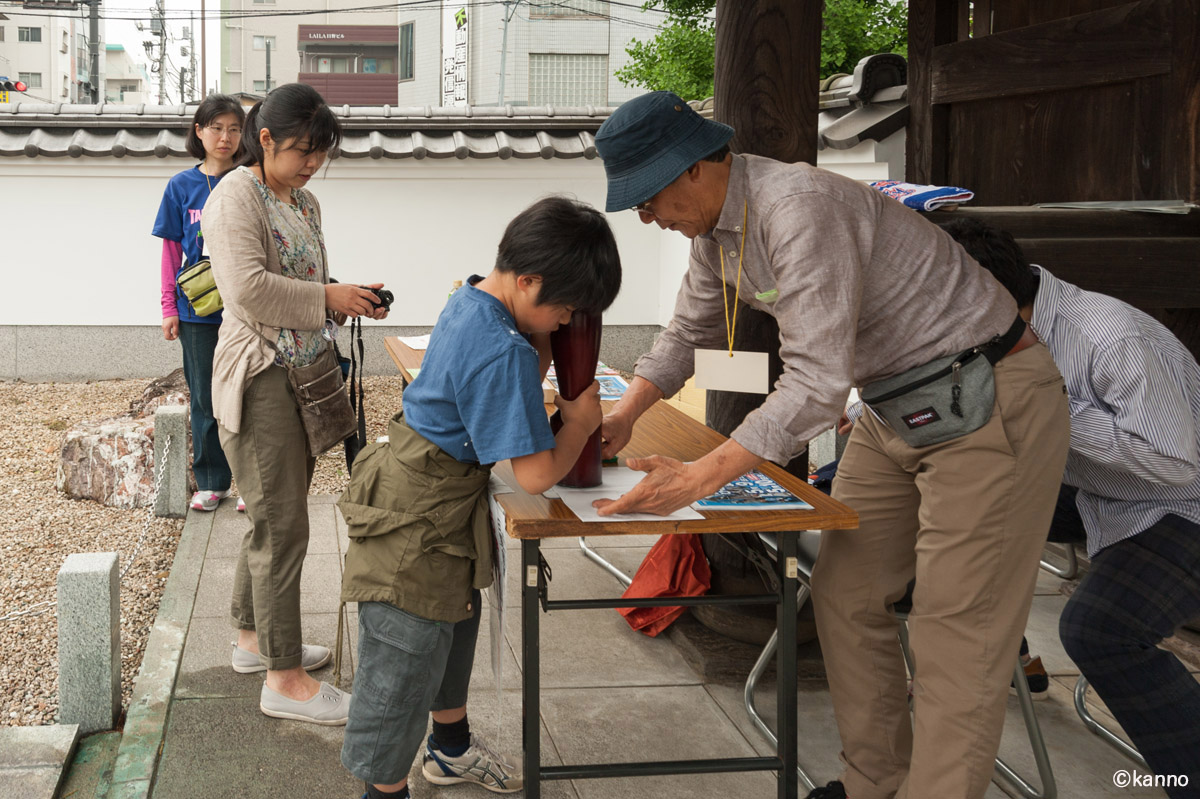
x: 729, y: 328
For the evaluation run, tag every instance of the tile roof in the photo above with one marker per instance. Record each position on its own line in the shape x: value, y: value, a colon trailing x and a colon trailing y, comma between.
x: 871, y: 104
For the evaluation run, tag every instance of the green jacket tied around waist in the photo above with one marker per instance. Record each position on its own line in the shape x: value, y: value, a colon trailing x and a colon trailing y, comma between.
x: 419, y: 531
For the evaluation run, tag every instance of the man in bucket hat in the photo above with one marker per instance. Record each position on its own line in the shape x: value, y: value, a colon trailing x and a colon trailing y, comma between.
x: 863, y: 290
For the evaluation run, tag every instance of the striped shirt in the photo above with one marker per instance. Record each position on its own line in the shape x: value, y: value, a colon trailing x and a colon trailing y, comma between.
x: 1135, y: 410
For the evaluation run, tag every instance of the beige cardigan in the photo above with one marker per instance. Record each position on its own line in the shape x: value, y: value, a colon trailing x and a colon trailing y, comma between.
x: 245, y: 263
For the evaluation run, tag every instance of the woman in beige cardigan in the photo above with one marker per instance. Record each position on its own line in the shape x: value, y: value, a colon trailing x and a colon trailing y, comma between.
x: 264, y: 235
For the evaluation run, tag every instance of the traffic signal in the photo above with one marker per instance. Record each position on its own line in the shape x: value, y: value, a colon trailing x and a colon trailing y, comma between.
x: 7, y: 85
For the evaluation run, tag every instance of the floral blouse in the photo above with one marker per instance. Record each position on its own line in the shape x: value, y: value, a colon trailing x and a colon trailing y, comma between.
x: 301, y: 248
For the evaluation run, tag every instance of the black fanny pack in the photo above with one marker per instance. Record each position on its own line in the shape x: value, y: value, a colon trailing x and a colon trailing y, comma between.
x: 944, y: 399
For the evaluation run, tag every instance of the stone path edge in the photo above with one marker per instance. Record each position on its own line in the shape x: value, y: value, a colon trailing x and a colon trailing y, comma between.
x: 149, y: 708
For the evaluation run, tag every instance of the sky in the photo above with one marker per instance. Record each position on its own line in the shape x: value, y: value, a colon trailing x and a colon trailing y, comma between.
x: 125, y: 32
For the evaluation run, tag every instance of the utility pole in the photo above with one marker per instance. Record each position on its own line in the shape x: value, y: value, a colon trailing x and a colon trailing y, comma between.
x: 203, y: 52
x: 192, y: 52
x: 94, y: 48
x: 161, y: 31
x: 508, y: 15
x: 183, y: 71
x: 267, y: 85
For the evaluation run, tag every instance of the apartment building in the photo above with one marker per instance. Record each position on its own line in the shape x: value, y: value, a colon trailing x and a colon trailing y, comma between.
x: 522, y: 52
x: 125, y: 80
x: 47, y: 50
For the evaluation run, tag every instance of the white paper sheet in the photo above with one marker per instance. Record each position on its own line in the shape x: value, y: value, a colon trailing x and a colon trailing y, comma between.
x: 617, y: 481
x: 416, y: 342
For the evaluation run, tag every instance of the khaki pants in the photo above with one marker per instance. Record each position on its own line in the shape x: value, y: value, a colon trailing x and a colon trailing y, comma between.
x: 968, y: 519
x: 270, y: 462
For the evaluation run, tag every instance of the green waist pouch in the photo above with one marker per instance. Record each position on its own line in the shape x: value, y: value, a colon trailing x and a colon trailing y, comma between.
x: 200, y: 287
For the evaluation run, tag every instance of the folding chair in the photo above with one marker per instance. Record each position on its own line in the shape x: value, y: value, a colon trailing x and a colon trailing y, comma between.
x: 809, y: 544
x: 1105, y: 734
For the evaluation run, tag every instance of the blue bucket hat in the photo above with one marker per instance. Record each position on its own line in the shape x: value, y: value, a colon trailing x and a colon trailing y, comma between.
x: 651, y: 140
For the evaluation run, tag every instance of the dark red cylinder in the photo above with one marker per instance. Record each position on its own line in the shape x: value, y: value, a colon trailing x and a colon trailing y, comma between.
x: 576, y: 350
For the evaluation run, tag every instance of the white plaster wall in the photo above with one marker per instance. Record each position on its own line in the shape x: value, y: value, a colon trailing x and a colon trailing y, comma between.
x: 86, y: 257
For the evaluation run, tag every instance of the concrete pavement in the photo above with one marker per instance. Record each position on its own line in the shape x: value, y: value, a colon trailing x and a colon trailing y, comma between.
x: 608, y: 693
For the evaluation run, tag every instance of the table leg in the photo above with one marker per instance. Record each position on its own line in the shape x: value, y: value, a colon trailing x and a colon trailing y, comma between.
x: 785, y: 665
x: 531, y: 578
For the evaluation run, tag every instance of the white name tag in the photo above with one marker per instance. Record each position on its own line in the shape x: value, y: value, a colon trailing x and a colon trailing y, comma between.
x: 745, y: 372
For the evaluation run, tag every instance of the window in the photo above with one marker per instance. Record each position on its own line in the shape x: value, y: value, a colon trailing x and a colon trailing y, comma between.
x: 29, y: 34
x: 261, y: 42
x: 271, y: 2
x: 261, y: 86
x: 383, y: 66
x: 1, y: 33
x: 568, y: 79
x: 407, y: 61
x: 568, y: 8
x: 332, y: 64
x: 31, y: 79
x: 66, y: 90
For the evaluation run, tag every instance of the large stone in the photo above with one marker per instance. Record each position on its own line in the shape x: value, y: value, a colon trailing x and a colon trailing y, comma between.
x: 89, y: 641
x: 112, y: 461
x: 169, y: 390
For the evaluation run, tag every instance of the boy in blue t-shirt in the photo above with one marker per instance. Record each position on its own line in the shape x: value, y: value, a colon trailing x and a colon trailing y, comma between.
x: 416, y: 507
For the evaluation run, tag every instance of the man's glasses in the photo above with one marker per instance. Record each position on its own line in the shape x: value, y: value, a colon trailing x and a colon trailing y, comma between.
x: 642, y: 208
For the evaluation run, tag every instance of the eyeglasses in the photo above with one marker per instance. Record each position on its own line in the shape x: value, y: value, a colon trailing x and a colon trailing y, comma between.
x: 219, y: 131
x: 642, y: 208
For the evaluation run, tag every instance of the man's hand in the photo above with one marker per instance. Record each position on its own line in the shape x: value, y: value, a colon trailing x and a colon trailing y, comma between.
x: 618, y: 425
x: 844, y: 425
x: 616, y: 430
x: 667, y: 487
x: 170, y: 328
x: 670, y: 484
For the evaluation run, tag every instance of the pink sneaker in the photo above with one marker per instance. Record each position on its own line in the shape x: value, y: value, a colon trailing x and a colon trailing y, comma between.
x: 207, y: 500
x: 241, y: 505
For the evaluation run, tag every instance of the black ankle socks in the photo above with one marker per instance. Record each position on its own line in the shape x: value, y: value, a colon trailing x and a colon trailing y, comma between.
x: 375, y: 793
x: 453, y: 739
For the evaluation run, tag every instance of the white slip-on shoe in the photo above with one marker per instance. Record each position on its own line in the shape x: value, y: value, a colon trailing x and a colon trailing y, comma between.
x: 329, y: 706
x: 311, y: 657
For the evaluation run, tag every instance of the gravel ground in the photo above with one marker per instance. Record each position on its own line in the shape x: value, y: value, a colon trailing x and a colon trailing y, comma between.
x: 39, y: 527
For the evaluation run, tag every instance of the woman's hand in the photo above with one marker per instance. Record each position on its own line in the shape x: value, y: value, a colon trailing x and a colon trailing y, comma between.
x: 354, y: 301
x: 170, y: 326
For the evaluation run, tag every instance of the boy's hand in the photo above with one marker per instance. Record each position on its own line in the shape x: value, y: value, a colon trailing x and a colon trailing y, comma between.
x: 584, y: 410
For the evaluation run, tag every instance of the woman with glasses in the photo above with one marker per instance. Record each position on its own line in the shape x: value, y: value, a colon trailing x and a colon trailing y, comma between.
x: 215, y: 139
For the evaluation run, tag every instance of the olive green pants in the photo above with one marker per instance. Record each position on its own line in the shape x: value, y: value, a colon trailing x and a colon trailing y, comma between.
x: 270, y: 462
x: 967, y: 519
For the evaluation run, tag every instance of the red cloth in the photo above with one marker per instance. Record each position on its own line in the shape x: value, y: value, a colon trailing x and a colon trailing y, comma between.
x: 675, y: 566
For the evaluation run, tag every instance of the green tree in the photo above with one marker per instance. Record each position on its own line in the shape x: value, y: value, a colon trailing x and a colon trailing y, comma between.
x: 681, y: 57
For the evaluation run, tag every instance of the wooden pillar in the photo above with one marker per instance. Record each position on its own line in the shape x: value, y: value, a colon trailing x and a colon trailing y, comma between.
x: 766, y: 88
x: 767, y: 62
x: 930, y: 23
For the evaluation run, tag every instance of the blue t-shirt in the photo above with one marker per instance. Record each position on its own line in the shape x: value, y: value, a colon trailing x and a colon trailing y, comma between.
x: 479, y: 393
x: 179, y: 220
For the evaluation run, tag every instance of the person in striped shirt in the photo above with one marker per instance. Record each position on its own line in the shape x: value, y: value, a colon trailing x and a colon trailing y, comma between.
x: 1133, y: 480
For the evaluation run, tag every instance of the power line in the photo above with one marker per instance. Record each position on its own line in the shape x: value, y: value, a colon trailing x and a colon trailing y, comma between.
x: 137, y: 15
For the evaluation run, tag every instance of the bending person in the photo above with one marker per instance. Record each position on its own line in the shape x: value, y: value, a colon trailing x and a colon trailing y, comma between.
x: 1133, y: 481
x: 864, y: 290
x: 268, y: 254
